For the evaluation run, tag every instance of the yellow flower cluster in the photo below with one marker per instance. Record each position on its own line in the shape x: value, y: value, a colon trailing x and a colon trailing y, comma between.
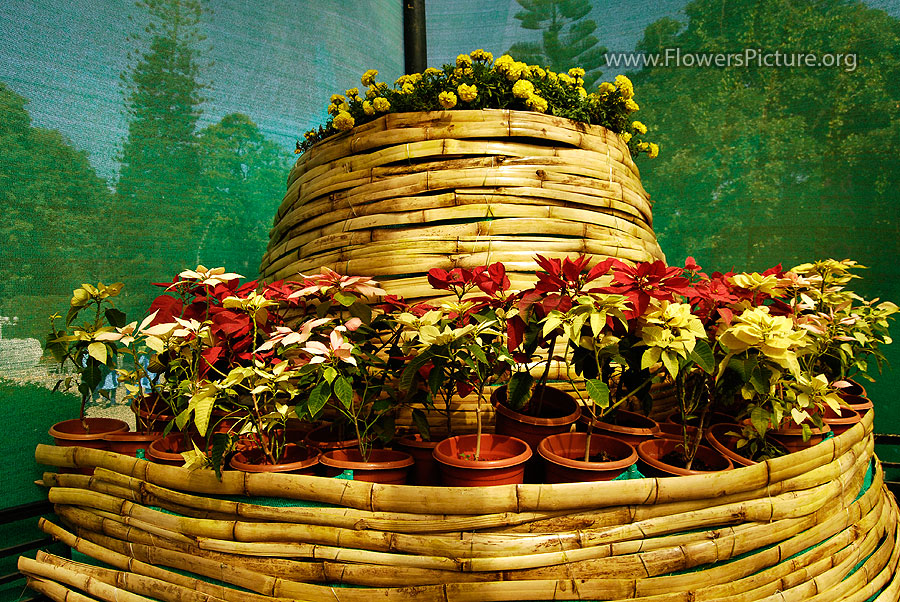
x: 368, y: 77
x: 476, y: 80
x: 467, y: 93
x: 447, y: 99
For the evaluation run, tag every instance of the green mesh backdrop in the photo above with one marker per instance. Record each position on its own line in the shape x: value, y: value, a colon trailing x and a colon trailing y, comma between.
x: 138, y: 140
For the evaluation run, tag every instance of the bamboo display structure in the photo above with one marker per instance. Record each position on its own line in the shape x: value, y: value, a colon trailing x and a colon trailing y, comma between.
x: 408, y: 192
x: 796, y: 528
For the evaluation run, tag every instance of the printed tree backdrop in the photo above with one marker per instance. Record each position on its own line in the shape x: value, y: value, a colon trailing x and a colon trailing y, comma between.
x: 142, y: 139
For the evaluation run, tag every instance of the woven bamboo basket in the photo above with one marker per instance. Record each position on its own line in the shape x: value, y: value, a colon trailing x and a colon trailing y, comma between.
x: 816, y: 525
x: 409, y: 192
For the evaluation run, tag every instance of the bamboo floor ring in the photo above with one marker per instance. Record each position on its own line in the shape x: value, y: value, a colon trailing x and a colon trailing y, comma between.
x: 408, y: 192
x: 801, y: 527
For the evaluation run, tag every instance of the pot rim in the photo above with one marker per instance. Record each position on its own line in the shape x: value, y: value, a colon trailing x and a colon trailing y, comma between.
x: 239, y: 461
x: 114, y: 425
x: 545, y: 452
x: 391, y: 459
x: 648, y: 431
x: 498, y: 400
x: 444, y: 458
x: 659, y: 465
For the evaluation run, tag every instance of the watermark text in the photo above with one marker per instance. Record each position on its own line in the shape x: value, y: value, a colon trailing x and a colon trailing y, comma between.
x: 746, y: 58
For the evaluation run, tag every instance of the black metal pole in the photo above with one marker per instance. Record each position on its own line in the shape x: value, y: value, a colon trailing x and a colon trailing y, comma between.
x: 415, y: 51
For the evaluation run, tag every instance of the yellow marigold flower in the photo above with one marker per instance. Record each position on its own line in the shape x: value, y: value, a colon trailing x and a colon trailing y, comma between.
x: 401, y: 80
x: 579, y: 81
x: 371, y: 92
x: 482, y: 55
x: 344, y: 106
x: 640, y: 127
x: 564, y: 78
x: 581, y: 91
x: 467, y: 93
x: 343, y: 121
x: 415, y: 77
x: 626, y: 88
x: 368, y: 77
x: 605, y: 88
x: 432, y: 71
x: 503, y: 63
x: 538, y: 71
x: 577, y: 72
x: 631, y: 105
x: 463, y: 60
x: 368, y: 109
x: 447, y: 99
x: 333, y: 109
x: 337, y: 99
x: 351, y: 93
x: 523, y: 89
x: 462, y: 72
x: 381, y: 104
x: 644, y: 146
x: 654, y: 150
x: 626, y: 137
x: 536, y: 103
x: 407, y: 88
x: 552, y: 76
x: 297, y: 150
x: 516, y: 70
x: 309, y: 134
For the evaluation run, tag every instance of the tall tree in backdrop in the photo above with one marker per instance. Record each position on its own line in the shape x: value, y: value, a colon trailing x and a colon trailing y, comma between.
x: 160, y: 159
x: 567, y: 37
x: 760, y: 165
x: 53, y: 206
x: 241, y: 180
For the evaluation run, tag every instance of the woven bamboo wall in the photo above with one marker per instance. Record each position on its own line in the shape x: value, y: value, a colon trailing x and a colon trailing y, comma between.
x: 798, y: 528
x: 408, y: 192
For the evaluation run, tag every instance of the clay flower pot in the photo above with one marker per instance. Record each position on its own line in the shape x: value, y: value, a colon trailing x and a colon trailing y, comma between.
x: 790, y: 436
x: 167, y: 450
x: 654, y: 451
x: 383, y: 466
x: 563, y: 456
x: 129, y: 443
x: 297, y: 459
x: 629, y: 427
x: 72, y: 432
x: 559, y: 411
x: 855, y: 389
x: 842, y: 420
x: 425, y: 469
x: 718, y: 437
x: 324, y: 439
x: 858, y: 403
x: 151, y: 413
x: 502, y: 460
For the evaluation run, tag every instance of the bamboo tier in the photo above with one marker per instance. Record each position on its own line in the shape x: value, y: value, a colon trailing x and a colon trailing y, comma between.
x: 409, y: 192
x: 798, y: 528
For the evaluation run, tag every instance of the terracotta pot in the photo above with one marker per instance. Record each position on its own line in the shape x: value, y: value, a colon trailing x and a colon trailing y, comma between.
x: 671, y: 430
x: 129, y: 443
x: 855, y: 389
x: 653, y: 451
x: 559, y: 411
x: 840, y: 421
x: 387, y: 466
x: 323, y: 439
x: 503, y: 460
x: 791, y: 436
x: 630, y: 427
x: 425, y: 469
x: 718, y: 437
x: 72, y: 432
x: 857, y: 403
x: 297, y: 459
x: 151, y: 413
x: 563, y: 456
x: 711, y: 418
x: 167, y: 450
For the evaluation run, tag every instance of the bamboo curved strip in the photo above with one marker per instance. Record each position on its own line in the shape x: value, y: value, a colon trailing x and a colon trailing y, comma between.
x: 801, y: 527
x: 405, y: 193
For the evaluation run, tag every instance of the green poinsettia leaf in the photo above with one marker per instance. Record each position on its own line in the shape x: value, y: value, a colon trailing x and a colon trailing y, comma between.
x: 343, y: 390
x: 598, y: 391
x: 318, y: 397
